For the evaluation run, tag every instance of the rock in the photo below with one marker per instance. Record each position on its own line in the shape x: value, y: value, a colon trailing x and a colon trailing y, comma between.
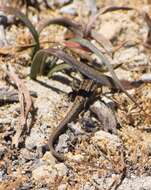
x: 41, y: 172
x: 27, y: 155
x: 44, y: 172
x: 69, y: 9
x: 128, y: 54
x: 61, y: 169
x: 137, y: 183
x: 26, y: 186
x: 3, y: 172
x: 105, y: 115
x: 47, y: 170
x: 101, y: 135
x: 147, y: 93
x: 75, y: 128
x: 132, y: 56
x: 49, y: 159
x: 146, y: 77
x: 75, y: 158
x: 5, y: 121
x: 89, y: 123
x: 102, y: 182
x: 88, y: 186
x: 123, y: 74
x: 110, y: 29
x: 36, y: 138
x: 62, y: 187
x: 11, y: 19
x: 62, y: 145
x: 15, y: 163
x: 103, y: 138
x: 113, y: 105
x: 40, y: 151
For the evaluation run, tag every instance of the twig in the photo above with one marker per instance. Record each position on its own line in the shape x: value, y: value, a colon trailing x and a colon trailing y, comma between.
x: 26, y: 105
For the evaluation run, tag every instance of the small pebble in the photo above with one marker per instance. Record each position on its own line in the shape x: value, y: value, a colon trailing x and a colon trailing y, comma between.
x: 69, y: 9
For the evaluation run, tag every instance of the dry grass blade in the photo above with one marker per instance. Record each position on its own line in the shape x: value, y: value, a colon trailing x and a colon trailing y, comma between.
x: 115, y: 8
x: 76, y: 45
x: 5, y: 51
x: 79, y: 66
x: 58, y: 68
x: 102, y: 41
x: 128, y: 85
x: 148, y: 22
x: 102, y: 58
x: 75, y: 28
x: 26, y: 21
x: 37, y: 64
x: 26, y: 105
x: 96, y: 51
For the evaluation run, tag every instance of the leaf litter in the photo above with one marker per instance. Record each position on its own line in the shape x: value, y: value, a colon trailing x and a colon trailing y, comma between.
x: 134, y: 135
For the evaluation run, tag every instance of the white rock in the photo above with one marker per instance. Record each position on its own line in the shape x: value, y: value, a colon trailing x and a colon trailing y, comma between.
x: 76, y: 158
x: 42, y: 173
x: 136, y: 183
x: 102, y: 182
x: 127, y: 54
x: 110, y: 29
x: 146, y: 77
x: 49, y: 159
x: 62, y: 143
x: 61, y: 169
x: 132, y: 56
x: 62, y: 187
x: 36, y: 138
x: 110, y: 139
x: 88, y: 186
x: 69, y: 9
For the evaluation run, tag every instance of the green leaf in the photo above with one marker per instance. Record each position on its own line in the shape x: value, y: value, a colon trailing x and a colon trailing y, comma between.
x: 37, y: 64
x: 58, y: 68
x: 104, y: 59
x: 96, y: 51
x: 79, y: 66
x: 104, y: 42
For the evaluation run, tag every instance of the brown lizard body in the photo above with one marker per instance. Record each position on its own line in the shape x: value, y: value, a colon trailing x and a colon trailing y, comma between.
x: 86, y: 89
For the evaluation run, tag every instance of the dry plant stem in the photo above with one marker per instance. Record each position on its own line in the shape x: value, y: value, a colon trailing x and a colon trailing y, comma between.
x: 74, y: 27
x: 25, y: 103
x: 103, y: 42
x: 9, y: 50
x: 7, y: 96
